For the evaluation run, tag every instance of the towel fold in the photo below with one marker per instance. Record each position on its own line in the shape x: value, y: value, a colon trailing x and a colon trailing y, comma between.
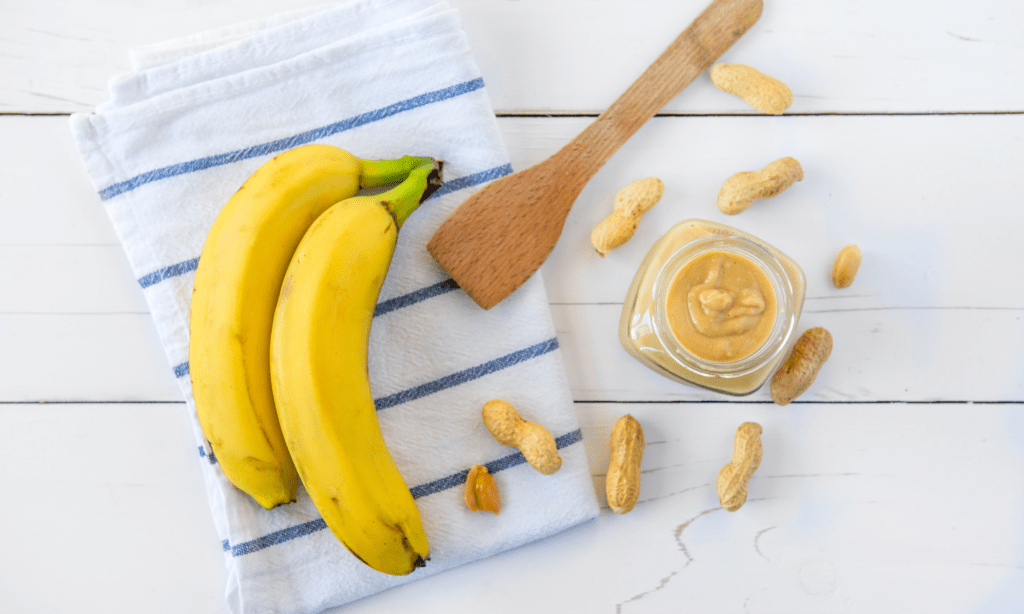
x: 380, y: 79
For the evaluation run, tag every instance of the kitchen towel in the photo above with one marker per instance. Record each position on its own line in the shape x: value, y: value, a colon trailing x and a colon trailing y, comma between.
x: 380, y: 79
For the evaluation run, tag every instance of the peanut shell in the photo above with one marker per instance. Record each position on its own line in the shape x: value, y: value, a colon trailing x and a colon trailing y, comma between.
x: 797, y: 374
x: 622, y: 483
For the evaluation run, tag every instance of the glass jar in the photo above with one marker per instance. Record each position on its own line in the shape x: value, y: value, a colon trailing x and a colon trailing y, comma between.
x: 646, y: 330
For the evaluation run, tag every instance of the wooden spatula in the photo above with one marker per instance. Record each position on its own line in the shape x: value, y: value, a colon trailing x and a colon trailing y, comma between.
x: 500, y: 236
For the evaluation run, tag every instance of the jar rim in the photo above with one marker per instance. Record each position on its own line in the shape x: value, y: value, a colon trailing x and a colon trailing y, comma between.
x: 785, y: 318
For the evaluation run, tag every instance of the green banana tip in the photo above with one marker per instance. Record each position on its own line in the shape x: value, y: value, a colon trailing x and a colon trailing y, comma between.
x: 403, y: 199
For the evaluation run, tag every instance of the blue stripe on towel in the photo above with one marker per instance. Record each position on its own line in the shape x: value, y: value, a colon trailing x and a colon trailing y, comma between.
x: 458, y: 183
x: 210, y: 457
x: 452, y: 481
x: 166, y: 273
x: 412, y: 298
x: 290, y: 142
x: 462, y: 377
x: 277, y: 537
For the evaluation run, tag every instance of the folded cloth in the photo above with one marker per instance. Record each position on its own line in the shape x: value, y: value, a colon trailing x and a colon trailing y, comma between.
x: 380, y: 79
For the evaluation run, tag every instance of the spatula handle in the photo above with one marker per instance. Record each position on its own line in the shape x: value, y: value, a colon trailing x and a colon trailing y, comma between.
x: 693, y: 52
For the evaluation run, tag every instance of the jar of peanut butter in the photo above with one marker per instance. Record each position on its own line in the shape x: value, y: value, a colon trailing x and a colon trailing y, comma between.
x: 714, y: 307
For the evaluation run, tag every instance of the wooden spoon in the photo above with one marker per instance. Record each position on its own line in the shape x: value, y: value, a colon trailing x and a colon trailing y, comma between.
x: 501, y: 235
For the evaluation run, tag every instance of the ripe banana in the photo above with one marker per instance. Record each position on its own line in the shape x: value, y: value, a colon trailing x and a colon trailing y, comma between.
x: 318, y: 366
x: 237, y: 283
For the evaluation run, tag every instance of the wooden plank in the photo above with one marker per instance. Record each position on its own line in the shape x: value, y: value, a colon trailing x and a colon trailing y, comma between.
x: 836, y: 57
x: 68, y: 279
x: 869, y: 179
x: 919, y: 195
x: 922, y: 355
x: 838, y: 486
x: 578, y: 55
x: 916, y: 324
x: 83, y: 357
x: 880, y: 355
x: 47, y: 197
x: 849, y: 509
x: 73, y: 310
x: 864, y: 505
x: 108, y: 501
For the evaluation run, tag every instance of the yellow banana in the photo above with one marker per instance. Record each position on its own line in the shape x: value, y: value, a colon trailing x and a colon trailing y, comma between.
x: 237, y: 283
x: 318, y: 366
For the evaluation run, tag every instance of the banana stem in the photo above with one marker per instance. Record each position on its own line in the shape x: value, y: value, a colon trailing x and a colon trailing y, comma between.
x: 382, y: 172
x: 422, y: 181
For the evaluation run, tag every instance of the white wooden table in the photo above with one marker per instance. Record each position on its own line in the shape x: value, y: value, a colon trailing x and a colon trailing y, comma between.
x: 896, y: 483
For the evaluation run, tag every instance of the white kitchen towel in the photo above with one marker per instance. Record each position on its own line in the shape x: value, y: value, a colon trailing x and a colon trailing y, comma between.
x: 380, y: 79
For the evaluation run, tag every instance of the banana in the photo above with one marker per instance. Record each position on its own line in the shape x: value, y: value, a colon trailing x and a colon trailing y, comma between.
x: 237, y: 282
x: 318, y: 366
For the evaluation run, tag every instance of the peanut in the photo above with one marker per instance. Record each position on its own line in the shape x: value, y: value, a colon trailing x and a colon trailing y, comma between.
x: 734, y: 478
x: 482, y: 491
x: 757, y: 89
x: 846, y: 266
x: 631, y: 203
x: 622, y: 483
x: 797, y: 374
x: 533, y: 440
x: 742, y: 189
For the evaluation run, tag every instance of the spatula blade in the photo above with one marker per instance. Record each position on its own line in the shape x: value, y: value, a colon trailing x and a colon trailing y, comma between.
x: 490, y: 247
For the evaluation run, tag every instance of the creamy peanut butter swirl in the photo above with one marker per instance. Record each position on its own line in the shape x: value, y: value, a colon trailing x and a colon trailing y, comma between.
x: 721, y: 306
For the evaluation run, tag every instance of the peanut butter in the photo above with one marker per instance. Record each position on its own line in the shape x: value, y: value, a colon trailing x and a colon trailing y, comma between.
x: 721, y: 306
x: 713, y: 307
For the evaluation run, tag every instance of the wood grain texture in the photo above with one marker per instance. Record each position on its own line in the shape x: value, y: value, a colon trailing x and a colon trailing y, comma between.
x: 500, y: 236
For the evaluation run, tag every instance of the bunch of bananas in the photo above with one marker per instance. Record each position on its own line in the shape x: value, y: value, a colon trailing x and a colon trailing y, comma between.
x: 284, y: 296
